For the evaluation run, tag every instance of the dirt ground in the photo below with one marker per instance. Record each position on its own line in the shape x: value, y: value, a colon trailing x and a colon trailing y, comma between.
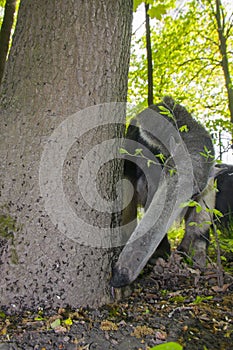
x: 170, y: 302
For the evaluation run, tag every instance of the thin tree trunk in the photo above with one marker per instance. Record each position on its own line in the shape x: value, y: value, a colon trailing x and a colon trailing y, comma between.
x: 66, y: 56
x: 149, y: 58
x: 223, y: 50
x: 5, y: 33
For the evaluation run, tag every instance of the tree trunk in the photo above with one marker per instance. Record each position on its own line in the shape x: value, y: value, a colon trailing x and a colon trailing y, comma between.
x: 219, y: 15
x: 5, y: 33
x: 66, y: 56
x: 150, y: 97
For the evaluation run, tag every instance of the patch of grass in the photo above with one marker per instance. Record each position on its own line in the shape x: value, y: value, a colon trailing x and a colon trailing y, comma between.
x: 176, y: 233
x: 7, y: 228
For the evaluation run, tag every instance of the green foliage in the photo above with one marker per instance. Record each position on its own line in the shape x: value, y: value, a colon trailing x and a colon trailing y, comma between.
x: 225, y: 238
x: 199, y: 299
x: 2, y: 6
x: 55, y: 323
x: 217, y: 214
x: 167, y: 346
x: 68, y: 322
x: 161, y: 157
x: 139, y: 153
x: 7, y: 226
x: 137, y: 3
x: 2, y: 314
x: 123, y: 151
x: 172, y: 171
x: 158, y: 8
x: 226, y: 244
x: 176, y: 233
x: 187, y: 62
x: 166, y: 111
x: 177, y: 299
x: 157, y: 11
x: 207, y: 154
x: 183, y: 128
x: 191, y: 203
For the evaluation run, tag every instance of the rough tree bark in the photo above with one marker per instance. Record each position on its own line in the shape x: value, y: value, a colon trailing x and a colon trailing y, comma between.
x: 66, y: 56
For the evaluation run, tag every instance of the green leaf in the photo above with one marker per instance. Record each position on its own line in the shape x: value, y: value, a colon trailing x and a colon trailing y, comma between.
x: 68, y: 321
x: 157, y: 11
x: 217, y: 213
x: 191, y: 203
x: 2, y: 3
x: 123, y: 151
x: 2, y: 314
x: 207, y: 154
x: 168, y: 346
x: 172, y: 172
x: 39, y: 318
x: 207, y: 222
x: 56, y: 323
x: 198, y: 208
x: 166, y: 111
x: 193, y: 223
x: 200, y: 299
x: 149, y: 162
x: 138, y: 151
x: 161, y: 156
x: 183, y: 128
x: 136, y: 4
x: 147, y: 311
x: 185, y: 204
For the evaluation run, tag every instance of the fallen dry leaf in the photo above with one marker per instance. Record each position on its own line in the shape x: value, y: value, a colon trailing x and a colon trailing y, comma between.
x: 108, y: 326
x: 141, y: 331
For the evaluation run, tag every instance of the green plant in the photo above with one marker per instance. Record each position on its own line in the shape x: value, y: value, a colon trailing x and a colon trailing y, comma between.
x: 176, y: 233
x: 7, y: 226
x: 199, y: 299
x: 168, y: 346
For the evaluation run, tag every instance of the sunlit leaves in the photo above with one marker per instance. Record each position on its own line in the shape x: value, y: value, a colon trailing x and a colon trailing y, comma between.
x: 207, y: 154
x: 157, y: 8
x: 157, y: 11
x: 161, y: 157
x: 2, y: 3
x: 184, y: 128
x: 187, y: 62
x: 136, y: 3
x: 167, y: 346
x: 191, y: 203
x: 166, y: 111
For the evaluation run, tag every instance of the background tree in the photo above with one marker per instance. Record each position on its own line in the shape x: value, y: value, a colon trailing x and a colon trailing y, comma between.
x: 149, y: 58
x: 65, y: 57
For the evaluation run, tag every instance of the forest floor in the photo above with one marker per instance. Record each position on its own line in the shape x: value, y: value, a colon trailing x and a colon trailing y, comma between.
x: 171, y: 302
